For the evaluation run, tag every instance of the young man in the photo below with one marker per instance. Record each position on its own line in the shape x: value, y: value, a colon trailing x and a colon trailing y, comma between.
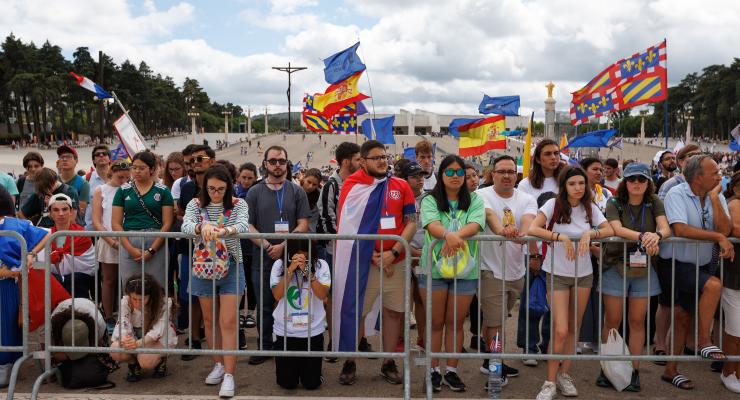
x: 247, y: 177
x: 32, y: 162
x: 394, y: 212
x: 503, y: 268
x: 425, y: 157
x: 67, y: 164
x: 73, y: 257
x: 187, y: 156
x: 696, y: 210
x: 611, y: 174
x: 276, y: 205
x: 46, y: 184
x: 667, y: 167
x: 97, y: 177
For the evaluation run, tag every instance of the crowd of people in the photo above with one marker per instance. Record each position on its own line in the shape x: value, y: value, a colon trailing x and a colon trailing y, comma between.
x: 213, y: 288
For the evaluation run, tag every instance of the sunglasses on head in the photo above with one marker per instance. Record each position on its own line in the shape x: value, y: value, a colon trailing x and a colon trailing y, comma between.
x: 276, y: 161
x: 636, y: 178
x: 452, y: 172
x: 120, y: 165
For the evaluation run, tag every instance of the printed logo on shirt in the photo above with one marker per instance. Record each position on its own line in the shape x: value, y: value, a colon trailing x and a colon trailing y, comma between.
x: 127, y: 198
x: 157, y: 197
x: 509, y: 217
x: 394, y: 194
x: 293, y: 297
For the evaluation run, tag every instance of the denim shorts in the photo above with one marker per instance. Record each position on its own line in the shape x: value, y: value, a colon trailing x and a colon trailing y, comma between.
x: 465, y: 287
x: 612, y: 284
x: 224, y: 286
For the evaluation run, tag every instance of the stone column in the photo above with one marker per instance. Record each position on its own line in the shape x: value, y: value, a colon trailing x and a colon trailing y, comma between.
x: 550, y: 113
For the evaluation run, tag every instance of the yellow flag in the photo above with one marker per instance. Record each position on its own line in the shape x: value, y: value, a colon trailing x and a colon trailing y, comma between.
x: 338, y: 95
x: 527, y: 149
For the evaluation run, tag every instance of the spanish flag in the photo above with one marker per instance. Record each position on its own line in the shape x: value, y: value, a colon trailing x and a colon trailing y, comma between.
x: 338, y: 95
x: 482, y: 135
x: 564, y: 144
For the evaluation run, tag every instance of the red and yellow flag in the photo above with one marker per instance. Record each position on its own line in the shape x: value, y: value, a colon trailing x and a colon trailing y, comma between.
x: 482, y: 135
x: 338, y: 95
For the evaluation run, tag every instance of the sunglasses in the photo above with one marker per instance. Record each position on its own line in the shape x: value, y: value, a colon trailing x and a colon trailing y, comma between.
x: 276, y: 161
x: 452, y: 172
x: 638, y: 178
x: 120, y: 165
x: 200, y: 159
x: 101, y: 154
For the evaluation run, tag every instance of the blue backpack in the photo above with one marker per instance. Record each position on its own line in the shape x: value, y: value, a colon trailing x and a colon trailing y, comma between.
x: 538, y: 297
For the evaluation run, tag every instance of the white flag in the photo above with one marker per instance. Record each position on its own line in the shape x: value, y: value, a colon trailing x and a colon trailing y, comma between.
x: 129, y: 135
x: 736, y: 133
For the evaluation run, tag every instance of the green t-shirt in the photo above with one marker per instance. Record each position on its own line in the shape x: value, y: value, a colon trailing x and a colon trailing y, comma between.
x: 631, y: 218
x: 83, y: 193
x: 135, y: 218
x: 430, y: 213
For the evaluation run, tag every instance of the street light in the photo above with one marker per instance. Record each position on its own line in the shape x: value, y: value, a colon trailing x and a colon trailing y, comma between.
x: 193, y: 115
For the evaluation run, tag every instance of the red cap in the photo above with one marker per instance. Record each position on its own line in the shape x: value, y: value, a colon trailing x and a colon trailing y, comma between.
x: 66, y: 149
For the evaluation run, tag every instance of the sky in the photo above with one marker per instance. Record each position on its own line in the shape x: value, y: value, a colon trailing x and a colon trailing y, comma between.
x: 433, y: 55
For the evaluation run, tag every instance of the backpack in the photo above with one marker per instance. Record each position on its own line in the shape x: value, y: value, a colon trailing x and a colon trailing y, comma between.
x: 211, y: 259
x: 87, y: 372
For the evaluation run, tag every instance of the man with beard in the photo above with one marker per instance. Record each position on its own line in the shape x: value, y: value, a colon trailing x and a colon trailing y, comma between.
x: 276, y: 205
x: 667, y: 165
x: 97, y: 177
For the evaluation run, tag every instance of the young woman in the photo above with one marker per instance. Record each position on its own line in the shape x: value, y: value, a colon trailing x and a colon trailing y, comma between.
x: 544, y: 171
x: 102, y: 213
x: 635, y: 213
x: 174, y: 168
x: 216, y: 214
x: 143, y: 206
x: 144, y: 321
x: 595, y: 172
x: 570, y: 214
x: 452, y: 214
x: 731, y: 292
x: 306, y: 283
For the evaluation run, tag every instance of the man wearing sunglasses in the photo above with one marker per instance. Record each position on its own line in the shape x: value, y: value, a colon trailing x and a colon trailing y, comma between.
x: 96, y: 177
x: 276, y: 205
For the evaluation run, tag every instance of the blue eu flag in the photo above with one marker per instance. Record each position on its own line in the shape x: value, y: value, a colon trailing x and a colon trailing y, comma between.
x: 503, y: 105
x: 342, y: 65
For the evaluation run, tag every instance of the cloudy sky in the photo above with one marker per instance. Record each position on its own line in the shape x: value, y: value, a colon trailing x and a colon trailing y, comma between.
x: 434, y: 55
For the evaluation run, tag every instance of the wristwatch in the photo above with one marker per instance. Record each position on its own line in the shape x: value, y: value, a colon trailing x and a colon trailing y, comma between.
x: 151, y: 251
x: 396, y: 253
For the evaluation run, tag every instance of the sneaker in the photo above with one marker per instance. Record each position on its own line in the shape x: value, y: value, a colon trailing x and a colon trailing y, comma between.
x: 364, y: 345
x: 436, y: 382
x: 134, y: 372
x: 548, y: 391
x: 250, y: 321
x: 190, y: 357
x: 160, y: 371
x: 530, y: 362
x: 716, y: 366
x: 216, y: 376
x: 508, y: 371
x: 227, y: 386
x: 504, y: 382
x: 730, y: 382
x: 566, y: 386
x: 603, y: 381
x: 242, y: 339
x: 389, y: 371
x: 328, y: 359
x: 454, y: 382
x: 349, y: 373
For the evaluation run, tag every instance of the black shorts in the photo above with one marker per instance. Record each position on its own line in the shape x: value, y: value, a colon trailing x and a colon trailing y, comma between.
x: 683, y: 289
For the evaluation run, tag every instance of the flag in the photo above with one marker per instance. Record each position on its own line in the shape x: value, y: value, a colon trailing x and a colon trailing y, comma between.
x: 129, y: 135
x: 734, y: 145
x: 361, y: 109
x: 312, y: 119
x: 526, y: 157
x: 639, y: 79
x: 564, y: 143
x: 91, y: 86
x: 516, y: 132
x: 296, y: 167
x: 360, y: 204
x: 616, y: 143
x: 344, y: 123
x: 503, y: 105
x: 338, y: 95
x: 483, y: 135
x: 383, y: 129
x: 119, y: 153
x: 598, y: 138
x: 456, y: 123
x: 735, y: 133
x: 342, y: 65
x: 409, y: 153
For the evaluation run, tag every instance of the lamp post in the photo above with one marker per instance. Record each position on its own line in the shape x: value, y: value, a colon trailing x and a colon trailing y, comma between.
x: 226, y: 114
x: 290, y: 70
x: 193, y: 115
x: 266, y: 109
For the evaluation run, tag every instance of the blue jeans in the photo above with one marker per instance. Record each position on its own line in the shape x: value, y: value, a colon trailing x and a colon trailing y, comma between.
x: 538, y: 339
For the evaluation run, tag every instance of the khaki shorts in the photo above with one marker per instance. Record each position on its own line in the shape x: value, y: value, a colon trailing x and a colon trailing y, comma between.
x: 567, y: 282
x: 392, y: 289
x: 491, y: 297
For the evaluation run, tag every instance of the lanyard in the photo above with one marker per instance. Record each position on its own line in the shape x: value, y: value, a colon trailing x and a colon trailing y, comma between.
x: 299, y: 284
x: 385, y: 196
x: 634, y: 219
x: 280, y: 201
x: 700, y: 210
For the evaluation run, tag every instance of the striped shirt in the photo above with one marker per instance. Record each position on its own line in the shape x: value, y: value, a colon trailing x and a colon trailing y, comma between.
x: 239, y: 219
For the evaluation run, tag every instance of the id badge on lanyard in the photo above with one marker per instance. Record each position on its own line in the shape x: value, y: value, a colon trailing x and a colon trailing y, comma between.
x: 387, y: 221
x: 638, y: 259
x: 281, y: 226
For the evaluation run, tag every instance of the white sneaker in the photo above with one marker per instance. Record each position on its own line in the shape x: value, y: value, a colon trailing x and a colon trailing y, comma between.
x: 530, y: 362
x: 216, y: 375
x: 731, y: 382
x: 547, y: 392
x: 566, y: 386
x: 227, y: 387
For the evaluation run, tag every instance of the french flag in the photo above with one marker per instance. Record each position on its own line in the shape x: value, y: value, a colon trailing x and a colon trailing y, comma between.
x: 91, y: 86
x: 360, y: 204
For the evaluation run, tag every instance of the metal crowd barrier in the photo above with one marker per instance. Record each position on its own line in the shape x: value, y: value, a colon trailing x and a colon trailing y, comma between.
x: 51, y: 347
x: 24, y: 347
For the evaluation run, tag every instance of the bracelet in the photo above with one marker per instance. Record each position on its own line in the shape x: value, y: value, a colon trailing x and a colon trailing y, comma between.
x: 660, y: 235
x: 639, y: 238
x: 557, y: 239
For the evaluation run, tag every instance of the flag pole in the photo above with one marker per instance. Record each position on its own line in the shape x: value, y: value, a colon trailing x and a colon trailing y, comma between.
x: 141, y: 137
x: 372, y: 99
x: 665, y: 105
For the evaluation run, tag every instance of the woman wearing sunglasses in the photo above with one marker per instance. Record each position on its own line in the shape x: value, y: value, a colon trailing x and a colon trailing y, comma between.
x: 450, y: 214
x: 637, y: 214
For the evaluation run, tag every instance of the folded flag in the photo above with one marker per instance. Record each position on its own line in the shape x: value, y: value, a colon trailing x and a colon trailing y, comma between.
x: 342, y: 65
x: 361, y: 109
x: 383, y: 129
x: 482, y: 135
x: 503, y: 105
x: 91, y: 86
x: 598, y: 138
x: 338, y: 95
x: 616, y: 143
x: 296, y: 167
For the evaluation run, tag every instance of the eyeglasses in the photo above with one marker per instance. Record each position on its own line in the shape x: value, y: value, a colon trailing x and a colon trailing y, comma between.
x: 636, y: 178
x: 376, y: 158
x: 505, y: 171
x: 174, y: 169
x: 213, y: 189
x: 276, y: 161
x: 451, y: 172
x: 200, y: 159
x: 101, y: 154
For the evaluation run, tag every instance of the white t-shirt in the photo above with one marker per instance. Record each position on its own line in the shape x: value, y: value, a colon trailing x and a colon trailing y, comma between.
x: 516, y: 206
x: 177, y: 185
x: 578, y: 225
x: 612, y: 184
x: 430, y: 182
x: 549, y: 185
x: 295, y: 324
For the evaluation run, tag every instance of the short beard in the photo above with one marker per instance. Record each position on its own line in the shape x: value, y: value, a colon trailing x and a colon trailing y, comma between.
x: 379, y: 175
x: 672, y: 168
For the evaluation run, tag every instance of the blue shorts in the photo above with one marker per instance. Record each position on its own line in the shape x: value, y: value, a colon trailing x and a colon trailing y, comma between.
x: 227, y: 285
x: 465, y: 287
x: 612, y: 284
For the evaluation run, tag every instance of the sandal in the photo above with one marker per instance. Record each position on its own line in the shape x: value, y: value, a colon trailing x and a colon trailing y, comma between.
x: 657, y: 352
x: 709, y: 352
x: 679, y: 381
x: 634, y: 385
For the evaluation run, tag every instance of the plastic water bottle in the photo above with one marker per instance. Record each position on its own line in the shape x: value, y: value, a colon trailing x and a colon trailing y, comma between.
x: 495, y: 378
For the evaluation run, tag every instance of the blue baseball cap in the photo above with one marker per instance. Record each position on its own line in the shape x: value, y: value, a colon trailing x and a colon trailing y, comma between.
x: 637, y: 169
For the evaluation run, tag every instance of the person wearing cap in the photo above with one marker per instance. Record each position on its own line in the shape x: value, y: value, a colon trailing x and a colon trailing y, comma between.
x: 682, y: 156
x: 97, y: 177
x: 67, y: 164
x: 667, y: 166
x: 72, y: 256
x: 637, y: 214
x: 36, y: 207
x: 86, y: 329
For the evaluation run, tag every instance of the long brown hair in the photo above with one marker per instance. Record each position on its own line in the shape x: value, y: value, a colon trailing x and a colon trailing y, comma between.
x: 624, y: 197
x: 563, y: 208
x: 536, y: 175
x: 174, y: 157
x: 149, y: 287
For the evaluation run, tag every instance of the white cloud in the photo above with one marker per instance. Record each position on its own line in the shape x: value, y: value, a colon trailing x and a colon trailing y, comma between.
x: 289, y: 6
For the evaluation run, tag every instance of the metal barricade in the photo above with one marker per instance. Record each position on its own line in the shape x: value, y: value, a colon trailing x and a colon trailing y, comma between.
x: 24, y: 347
x: 51, y: 347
